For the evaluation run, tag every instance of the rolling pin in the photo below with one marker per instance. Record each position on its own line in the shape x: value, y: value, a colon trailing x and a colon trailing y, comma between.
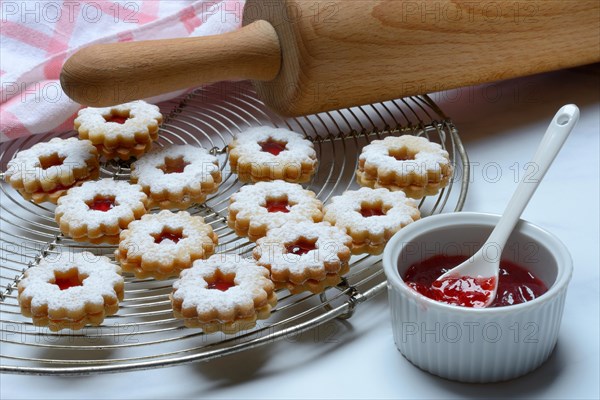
x: 306, y: 57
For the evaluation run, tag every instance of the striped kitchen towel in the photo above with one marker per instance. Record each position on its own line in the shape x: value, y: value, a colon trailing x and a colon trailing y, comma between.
x: 38, y: 36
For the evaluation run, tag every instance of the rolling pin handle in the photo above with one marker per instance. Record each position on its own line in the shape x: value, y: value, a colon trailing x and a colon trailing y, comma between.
x: 108, y: 74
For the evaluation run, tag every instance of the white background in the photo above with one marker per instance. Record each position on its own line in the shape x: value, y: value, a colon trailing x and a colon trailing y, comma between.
x: 499, y: 123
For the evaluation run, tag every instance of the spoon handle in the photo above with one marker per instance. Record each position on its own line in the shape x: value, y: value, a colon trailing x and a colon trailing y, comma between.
x: 559, y: 129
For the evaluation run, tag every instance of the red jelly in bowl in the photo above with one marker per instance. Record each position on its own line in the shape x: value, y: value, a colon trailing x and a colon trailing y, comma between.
x: 515, y: 284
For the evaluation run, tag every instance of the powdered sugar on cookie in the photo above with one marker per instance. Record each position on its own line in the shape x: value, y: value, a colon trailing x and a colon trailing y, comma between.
x: 217, y: 293
x: 265, y: 205
x: 71, y: 290
x: 177, y: 175
x: 304, y: 250
x: 122, y: 131
x: 408, y: 163
x: 49, y: 165
x: 161, y: 245
x: 99, y: 208
x: 140, y: 120
x: 72, y: 153
x: 422, y: 155
x: 371, y: 216
x: 264, y: 153
x: 296, y: 147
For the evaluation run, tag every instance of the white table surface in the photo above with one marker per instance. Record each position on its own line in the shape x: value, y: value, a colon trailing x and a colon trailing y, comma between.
x: 500, y: 123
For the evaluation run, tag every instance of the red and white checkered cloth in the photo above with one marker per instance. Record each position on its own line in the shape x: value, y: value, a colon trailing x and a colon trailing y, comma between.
x: 38, y: 36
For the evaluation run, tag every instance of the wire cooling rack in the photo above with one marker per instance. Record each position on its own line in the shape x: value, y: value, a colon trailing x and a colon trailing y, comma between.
x: 144, y: 333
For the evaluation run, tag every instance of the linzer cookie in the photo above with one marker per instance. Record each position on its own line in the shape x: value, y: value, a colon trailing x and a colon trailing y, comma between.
x: 224, y: 293
x: 162, y: 245
x: 47, y: 170
x: 305, y: 256
x: 177, y: 176
x: 266, y: 154
x: 371, y: 216
x: 122, y: 131
x: 96, y: 212
x: 71, y: 291
x: 255, y: 209
x: 409, y: 163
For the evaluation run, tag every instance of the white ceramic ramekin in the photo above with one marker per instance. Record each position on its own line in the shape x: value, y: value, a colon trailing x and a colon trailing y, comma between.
x: 476, y: 345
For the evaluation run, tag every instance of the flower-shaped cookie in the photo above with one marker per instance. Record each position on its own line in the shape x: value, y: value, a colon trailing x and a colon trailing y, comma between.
x: 47, y: 170
x: 122, y: 131
x: 409, y: 163
x: 97, y: 211
x: 177, y: 176
x: 305, y: 256
x: 265, y: 154
x: 162, y: 245
x: 371, y: 216
x: 255, y: 209
x: 224, y: 293
x: 71, y: 291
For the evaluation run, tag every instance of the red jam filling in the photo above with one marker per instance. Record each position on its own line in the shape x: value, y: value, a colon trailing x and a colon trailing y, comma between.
x: 371, y: 211
x: 174, y: 165
x: 272, y: 146
x: 515, y: 284
x: 278, y: 206
x: 300, y: 247
x: 166, y: 234
x: 117, y: 119
x: 221, y: 285
x: 102, y: 204
x: 52, y: 160
x: 64, y: 283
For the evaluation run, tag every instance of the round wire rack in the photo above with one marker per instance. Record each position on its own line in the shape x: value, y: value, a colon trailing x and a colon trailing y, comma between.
x: 144, y: 334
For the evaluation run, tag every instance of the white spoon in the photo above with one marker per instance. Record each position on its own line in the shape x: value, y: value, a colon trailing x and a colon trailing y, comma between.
x: 481, y: 264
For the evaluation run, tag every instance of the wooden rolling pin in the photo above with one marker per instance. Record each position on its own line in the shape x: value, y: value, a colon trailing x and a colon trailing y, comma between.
x: 311, y: 56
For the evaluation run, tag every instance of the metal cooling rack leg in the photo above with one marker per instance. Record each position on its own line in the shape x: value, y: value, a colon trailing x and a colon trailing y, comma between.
x: 43, y: 253
x: 355, y: 297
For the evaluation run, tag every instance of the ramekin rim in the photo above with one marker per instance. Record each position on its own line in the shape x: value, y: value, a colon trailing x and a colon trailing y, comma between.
x: 558, y: 248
